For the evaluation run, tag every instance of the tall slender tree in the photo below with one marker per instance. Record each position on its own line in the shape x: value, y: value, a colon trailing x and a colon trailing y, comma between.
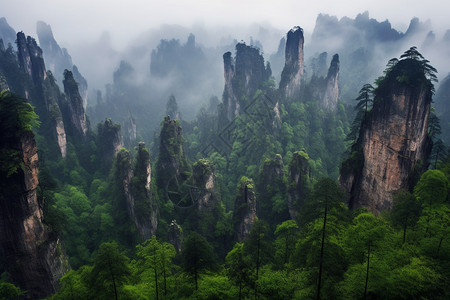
x: 198, y: 256
x: 110, y: 269
x: 365, y: 98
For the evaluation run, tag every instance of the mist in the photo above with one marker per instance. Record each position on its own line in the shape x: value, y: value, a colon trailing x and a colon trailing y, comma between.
x: 99, y: 35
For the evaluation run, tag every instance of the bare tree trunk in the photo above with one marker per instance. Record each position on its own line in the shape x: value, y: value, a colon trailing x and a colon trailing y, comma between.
x: 439, y: 247
x: 257, y: 264
x: 404, y: 230
x: 240, y: 289
x: 156, y: 273
x: 322, y: 247
x: 113, y: 280
x: 367, y: 271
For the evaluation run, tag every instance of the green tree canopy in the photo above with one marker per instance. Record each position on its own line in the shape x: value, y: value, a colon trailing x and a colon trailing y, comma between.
x: 405, y: 211
x: 110, y: 271
x: 432, y: 188
x: 365, y: 98
x: 198, y: 256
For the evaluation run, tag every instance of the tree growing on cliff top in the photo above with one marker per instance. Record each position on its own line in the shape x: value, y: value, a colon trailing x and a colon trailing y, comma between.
x: 16, y: 118
x: 365, y: 98
x: 414, y: 54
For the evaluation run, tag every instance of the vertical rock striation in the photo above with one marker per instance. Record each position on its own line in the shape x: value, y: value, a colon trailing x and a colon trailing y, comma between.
x: 28, y: 251
x: 244, y: 74
x: 171, y: 165
x: 75, y: 110
x: 144, y: 213
x: 175, y: 235
x: 130, y: 132
x: 43, y: 93
x: 393, y: 143
x: 292, y: 75
x: 331, y: 94
x: 244, y: 213
x: 204, y: 178
x: 58, y: 59
x: 137, y: 189
x: 82, y: 85
x: 30, y: 59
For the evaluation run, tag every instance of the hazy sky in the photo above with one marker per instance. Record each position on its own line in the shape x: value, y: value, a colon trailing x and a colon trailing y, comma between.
x: 73, y: 20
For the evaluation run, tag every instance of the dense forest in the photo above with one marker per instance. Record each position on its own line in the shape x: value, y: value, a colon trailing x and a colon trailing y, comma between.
x: 292, y: 185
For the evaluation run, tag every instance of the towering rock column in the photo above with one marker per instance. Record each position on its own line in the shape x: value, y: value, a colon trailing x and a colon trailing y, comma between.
x: 393, y: 142
x: 204, y: 178
x: 137, y: 189
x: 77, y: 116
x: 331, y: 95
x: 244, y: 214
x: 271, y: 185
x: 28, y: 251
x: 44, y: 94
x: 293, y: 70
x: 244, y: 75
x: 58, y: 59
x: 30, y: 58
x: 145, y: 210
x: 109, y: 141
x: 298, y: 181
x: 171, y: 165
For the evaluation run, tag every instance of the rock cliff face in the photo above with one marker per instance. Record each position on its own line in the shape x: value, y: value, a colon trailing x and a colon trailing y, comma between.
x: 243, y: 76
x: 244, y: 213
x: 442, y: 107
x: 393, y: 143
x: 140, y: 204
x: 30, y: 58
x: 204, y: 178
x: 61, y: 137
x: 7, y: 33
x: 319, y: 65
x: 109, y: 140
x: 28, y: 251
x: 52, y: 96
x: 175, y: 235
x: 43, y: 93
x: 75, y: 110
x: 82, y: 85
x: 130, y: 131
x: 58, y: 59
x: 293, y: 70
x: 298, y: 180
x: 171, y: 165
x: 326, y: 89
x: 277, y: 59
x: 144, y: 213
x: 331, y: 94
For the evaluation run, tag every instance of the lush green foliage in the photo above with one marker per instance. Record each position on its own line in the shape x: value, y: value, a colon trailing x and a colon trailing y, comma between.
x: 363, y: 254
x: 10, y: 291
x: 327, y: 252
x: 16, y: 118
